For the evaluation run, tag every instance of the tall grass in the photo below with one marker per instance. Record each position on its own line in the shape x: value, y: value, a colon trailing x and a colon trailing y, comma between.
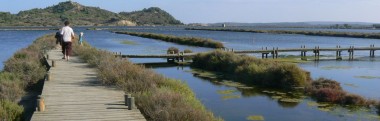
x: 159, y: 98
x: 24, y: 69
x: 251, y: 70
x: 312, y: 33
x: 201, y: 42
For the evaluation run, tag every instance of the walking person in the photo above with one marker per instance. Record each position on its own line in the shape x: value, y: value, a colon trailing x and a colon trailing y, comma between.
x: 68, y: 36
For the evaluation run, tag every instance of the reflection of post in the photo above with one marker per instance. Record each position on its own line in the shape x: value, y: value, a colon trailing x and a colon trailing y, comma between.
x: 80, y: 38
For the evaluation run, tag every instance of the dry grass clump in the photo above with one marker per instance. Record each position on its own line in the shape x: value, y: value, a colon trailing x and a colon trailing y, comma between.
x: 21, y: 71
x: 158, y: 98
x: 202, y: 42
x: 326, y: 90
x: 251, y: 70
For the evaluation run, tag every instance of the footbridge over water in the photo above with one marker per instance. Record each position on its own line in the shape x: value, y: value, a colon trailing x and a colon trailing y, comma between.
x: 273, y: 51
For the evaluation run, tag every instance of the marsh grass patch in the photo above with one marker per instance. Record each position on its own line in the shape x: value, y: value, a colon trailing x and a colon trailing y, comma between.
x: 255, y: 118
x: 368, y: 77
x: 336, y: 67
x: 128, y: 42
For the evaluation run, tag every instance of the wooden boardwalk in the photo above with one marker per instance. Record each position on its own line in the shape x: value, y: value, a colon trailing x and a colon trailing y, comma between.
x: 274, y: 52
x: 74, y: 93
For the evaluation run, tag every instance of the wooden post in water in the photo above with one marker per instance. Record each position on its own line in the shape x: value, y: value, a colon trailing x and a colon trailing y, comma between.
x: 277, y: 52
x: 318, y: 52
x: 372, y: 51
x: 53, y: 63
x: 40, y: 104
x: 315, y: 53
x: 302, y: 52
x: 273, y: 53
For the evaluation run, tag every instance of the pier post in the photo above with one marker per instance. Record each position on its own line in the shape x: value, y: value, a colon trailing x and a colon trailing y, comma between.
x: 273, y: 53
x: 53, y: 63
x: 40, y: 104
x: 48, y: 76
x: 47, y: 57
x: 302, y: 52
x: 318, y: 52
x: 315, y: 53
x: 131, y: 103
x: 262, y: 55
x: 352, y: 56
x: 277, y: 52
x: 126, y: 96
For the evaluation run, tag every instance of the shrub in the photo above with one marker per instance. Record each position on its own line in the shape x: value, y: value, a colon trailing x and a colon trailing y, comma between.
x: 188, y: 51
x: 11, y: 87
x: 10, y: 111
x: 327, y: 90
x: 250, y: 70
x: 172, y: 50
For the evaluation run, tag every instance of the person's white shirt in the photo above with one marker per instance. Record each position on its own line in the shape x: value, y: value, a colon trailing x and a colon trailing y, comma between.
x: 66, y: 33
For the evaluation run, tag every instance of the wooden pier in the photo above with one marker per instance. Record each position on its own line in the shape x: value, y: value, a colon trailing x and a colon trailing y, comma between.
x: 275, y: 52
x: 73, y: 92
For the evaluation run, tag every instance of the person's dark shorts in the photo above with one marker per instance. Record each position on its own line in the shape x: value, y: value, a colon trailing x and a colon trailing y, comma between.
x: 67, y: 48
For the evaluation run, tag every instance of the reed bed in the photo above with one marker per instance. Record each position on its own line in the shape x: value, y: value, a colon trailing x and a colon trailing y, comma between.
x: 312, y: 33
x: 193, y: 41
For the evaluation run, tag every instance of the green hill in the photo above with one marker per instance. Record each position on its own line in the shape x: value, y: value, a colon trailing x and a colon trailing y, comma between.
x: 151, y: 16
x: 81, y: 15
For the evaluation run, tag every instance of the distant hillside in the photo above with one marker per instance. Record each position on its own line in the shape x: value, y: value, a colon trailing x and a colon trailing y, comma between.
x: 81, y: 15
x: 151, y: 16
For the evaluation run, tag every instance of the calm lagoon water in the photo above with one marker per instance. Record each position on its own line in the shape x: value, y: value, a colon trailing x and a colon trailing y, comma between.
x: 359, y: 77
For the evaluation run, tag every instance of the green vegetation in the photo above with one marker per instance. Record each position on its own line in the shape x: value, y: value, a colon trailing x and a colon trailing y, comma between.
x: 151, y: 16
x: 159, y: 98
x: 80, y: 15
x: 368, y: 77
x: 201, y: 42
x: 127, y: 42
x: 251, y: 70
x: 312, y: 33
x: 20, y: 73
x: 255, y: 118
x: 172, y: 50
x: 10, y: 111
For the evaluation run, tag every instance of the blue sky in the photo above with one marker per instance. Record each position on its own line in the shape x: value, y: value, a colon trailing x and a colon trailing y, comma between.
x: 250, y: 11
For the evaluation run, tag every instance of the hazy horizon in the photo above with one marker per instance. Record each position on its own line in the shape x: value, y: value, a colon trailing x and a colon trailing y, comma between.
x: 240, y: 11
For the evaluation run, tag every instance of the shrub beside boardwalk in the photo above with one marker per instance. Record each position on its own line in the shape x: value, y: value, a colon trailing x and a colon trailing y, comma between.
x: 193, y: 41
x: 23, y: 70
x: 159, y: 98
